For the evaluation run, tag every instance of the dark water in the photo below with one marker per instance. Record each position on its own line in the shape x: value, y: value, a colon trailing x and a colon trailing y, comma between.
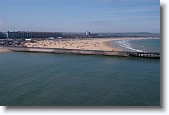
x: 73, y: 80
x: 142, y: 45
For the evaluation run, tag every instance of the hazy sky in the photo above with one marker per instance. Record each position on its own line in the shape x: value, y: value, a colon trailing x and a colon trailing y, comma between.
x: 80, y: 15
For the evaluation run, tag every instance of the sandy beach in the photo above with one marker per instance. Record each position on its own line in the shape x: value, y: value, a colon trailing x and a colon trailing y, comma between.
x: 82, y: 44
x: 2, y: 50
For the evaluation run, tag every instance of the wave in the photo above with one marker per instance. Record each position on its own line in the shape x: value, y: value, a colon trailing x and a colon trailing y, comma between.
x: 126, y: 46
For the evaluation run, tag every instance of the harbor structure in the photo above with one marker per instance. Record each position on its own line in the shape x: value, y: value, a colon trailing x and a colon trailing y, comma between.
x: 153, y: 55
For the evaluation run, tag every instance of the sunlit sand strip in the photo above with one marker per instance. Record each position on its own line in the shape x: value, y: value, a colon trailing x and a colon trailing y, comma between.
x: 2, y: 50
x: 82, y: 44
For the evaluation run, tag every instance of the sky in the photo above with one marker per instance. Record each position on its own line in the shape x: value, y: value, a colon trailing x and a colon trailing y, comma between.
x: 80, y: 15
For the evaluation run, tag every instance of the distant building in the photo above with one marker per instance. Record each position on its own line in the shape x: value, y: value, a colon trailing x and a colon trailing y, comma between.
x: 23, y: 34
x: 3, y: 35
x: 94, y: 35
x: 87, y: 34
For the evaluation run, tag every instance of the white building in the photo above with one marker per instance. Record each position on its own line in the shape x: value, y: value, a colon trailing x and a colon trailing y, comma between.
x: 87, y: 34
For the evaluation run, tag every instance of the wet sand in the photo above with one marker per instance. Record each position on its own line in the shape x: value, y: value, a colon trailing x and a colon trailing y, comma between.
x: 2, y: 50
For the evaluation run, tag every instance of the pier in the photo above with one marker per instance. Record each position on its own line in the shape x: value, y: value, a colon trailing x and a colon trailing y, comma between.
x: 145, y: 54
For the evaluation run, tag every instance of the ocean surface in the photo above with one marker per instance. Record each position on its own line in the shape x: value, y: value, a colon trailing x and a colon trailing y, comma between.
x: 39, y: 79
x: 140, y: 45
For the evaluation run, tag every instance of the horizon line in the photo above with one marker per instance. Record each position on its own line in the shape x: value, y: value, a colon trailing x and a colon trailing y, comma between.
x: 80, y: 32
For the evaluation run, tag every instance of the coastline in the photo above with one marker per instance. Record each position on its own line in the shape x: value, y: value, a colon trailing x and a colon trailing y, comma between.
x: 95, y: 46
x: 100, y: 44
x: 68, y: 51
x: 4, y: 50
x: 76, y: 44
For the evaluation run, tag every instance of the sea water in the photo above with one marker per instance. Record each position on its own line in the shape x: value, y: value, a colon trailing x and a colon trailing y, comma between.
x: 139, y: 45
x: 38, y: 79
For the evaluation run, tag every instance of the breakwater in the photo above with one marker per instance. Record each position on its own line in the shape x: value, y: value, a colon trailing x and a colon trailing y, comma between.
x: 67, y: 51
x: 85, y: 52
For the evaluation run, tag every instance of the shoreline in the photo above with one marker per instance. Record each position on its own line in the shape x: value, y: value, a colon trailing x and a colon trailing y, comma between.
x: 106, y: 44
x: 101, y: 44
x: 127, y: 47
x: 4, y: 50
x: 85, y: 52
x: 93, y: 44
x: 68, y: 51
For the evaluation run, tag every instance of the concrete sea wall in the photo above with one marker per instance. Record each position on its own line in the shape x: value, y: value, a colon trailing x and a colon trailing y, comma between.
x: 67, y: 51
